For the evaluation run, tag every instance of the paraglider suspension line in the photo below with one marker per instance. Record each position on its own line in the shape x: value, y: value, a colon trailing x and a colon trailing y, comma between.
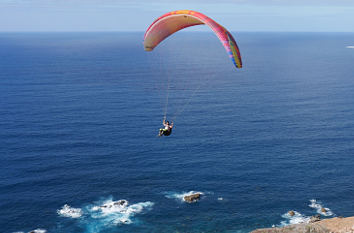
x: 167, y: 96
x: 187, y: 103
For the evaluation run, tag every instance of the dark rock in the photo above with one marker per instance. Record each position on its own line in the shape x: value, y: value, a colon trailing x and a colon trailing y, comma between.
x: 291, y: 213
x: 192, y: 198
x: 121, y: 202
x: 315, y: 218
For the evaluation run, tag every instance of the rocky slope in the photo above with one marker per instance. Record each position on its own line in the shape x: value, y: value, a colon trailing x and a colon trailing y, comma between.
x: 332, y: 225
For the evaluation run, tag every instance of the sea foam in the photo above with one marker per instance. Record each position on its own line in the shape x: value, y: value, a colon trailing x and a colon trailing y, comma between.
x: 70, y: 212
x: 300, y: 218
x: 318, y: 206
x: 180, y: 196
x: 295, y: 219
x: 104, y: 214
x: 38, y: 231
x: 33, y: 231
x: 117, y: 212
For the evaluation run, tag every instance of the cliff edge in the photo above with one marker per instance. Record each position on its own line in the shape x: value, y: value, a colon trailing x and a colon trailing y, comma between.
x: 332, y: 225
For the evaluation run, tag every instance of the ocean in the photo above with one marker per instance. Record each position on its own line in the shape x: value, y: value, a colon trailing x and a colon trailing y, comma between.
x: 80, y: 114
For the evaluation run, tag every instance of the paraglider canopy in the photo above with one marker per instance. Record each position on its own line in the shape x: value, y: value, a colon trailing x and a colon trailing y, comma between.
x: 174, y: 21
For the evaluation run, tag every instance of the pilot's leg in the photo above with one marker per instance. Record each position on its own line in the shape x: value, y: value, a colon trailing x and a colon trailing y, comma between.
x: 161, y: 132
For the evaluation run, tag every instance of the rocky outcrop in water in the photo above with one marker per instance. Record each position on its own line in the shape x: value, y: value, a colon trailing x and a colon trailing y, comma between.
x: 291, y: 213
x: 192, y: 198
x: 120, y: 203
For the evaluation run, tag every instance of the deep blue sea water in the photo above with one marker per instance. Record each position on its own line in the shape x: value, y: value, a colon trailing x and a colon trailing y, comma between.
x: 79, y: 115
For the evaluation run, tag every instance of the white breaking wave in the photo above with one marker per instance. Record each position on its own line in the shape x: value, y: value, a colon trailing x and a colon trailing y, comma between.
x: 319, y: 208
x: 70, y: 212
x: 350, y: 47
x: 118, y: 212
x: 104, y: 214
x: 112, y: 206
x: 180, y: 196
x: 295, y: 219
x: 34, y: 231
x: 38, y: 231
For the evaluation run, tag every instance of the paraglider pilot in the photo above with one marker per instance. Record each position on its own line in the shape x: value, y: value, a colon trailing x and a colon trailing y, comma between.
x: 167, y: 130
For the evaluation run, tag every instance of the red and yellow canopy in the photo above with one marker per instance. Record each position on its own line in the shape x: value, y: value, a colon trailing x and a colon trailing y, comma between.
x: 174, y: 21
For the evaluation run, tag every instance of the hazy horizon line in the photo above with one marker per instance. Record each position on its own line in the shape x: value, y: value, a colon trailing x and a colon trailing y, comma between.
x: 143, y: 31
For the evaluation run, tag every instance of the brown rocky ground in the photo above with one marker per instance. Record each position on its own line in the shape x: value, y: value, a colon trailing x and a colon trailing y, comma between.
x: 332, y: 225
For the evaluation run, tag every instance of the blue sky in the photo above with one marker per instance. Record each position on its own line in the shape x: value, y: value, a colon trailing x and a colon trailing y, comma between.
x: 136, y: 15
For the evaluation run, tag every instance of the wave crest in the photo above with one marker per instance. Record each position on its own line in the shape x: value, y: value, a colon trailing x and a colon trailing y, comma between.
x: 294, y: 219
x: 70, y: 212
x: 320, y: 209
x: 118, y: 212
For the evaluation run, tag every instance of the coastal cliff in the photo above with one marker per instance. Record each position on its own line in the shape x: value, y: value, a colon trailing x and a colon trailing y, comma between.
x: 332, y: 225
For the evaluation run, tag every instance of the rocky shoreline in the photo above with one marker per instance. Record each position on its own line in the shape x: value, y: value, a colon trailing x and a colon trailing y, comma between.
x: 331, y: 225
